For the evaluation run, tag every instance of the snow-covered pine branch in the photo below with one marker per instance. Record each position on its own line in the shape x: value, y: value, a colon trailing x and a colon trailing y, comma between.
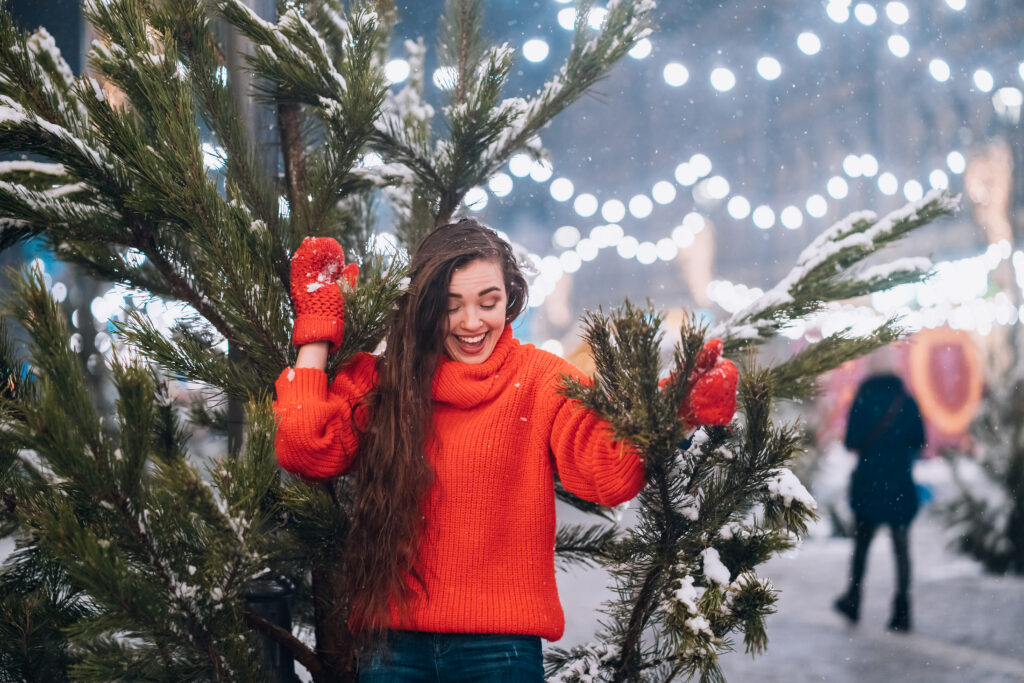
x: 825, y: 270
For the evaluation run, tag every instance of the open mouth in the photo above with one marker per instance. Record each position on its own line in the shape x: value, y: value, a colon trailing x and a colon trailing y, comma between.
x: 471, y: 345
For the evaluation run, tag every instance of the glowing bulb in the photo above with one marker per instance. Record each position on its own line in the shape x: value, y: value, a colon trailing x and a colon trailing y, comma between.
x: 791, y: 217
x: 640, y: 206
x: 868, y: 165
x: 837, y: 187
x: 520, y: 165
x: 666, y: 249
x: 694, y: 222
x: 596, y: 17
x: 897, y: 13
x: 938, y: 179
x: 647, y: 253
x: 898, y: 45
x: 561, y: 189
x: 567, y: 18
x: 682, y: 236
x: 396, y: 71
x: 585, y: 205
x: 587, y: 249
x: 865, y: 14
x: 912, y: 190
x: 445, y: 77
x: 566, y: 237
x: 540, y: 171
x: 570, y: 261
x: 838, y: 12
x: 888, y: 184
x: 627, y: 247
x: 641, y: 50
x: 764, y: 217
x: 983, y: 79
x: 939, y: 70
x: 475, y: 199
x: 851, y: 165
x: 738, y: 207
x: 957, y: 4
x: 685, y: 174
x: 769, y: 68
x: 808, y: 43
x: 717, y: 187
x: 535, y: 50
x: 675, y: 74
x: 956, y: 162
x: 664, y: 192
x: 700, y: 164
x: 722, y: 79
x: 613, y: 211
x: 817, y: 206
x: 500, y: 184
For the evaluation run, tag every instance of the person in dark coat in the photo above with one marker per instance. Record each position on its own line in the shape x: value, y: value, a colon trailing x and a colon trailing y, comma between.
x: 886, y: 432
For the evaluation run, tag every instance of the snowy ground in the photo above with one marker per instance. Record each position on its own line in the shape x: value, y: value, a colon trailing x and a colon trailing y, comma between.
x: 968, y: 627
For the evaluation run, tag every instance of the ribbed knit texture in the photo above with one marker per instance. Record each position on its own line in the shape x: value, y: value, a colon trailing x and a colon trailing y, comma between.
x: 501, y: 429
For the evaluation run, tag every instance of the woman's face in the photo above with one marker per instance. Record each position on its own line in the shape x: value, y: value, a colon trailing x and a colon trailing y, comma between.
x: 476, y: 311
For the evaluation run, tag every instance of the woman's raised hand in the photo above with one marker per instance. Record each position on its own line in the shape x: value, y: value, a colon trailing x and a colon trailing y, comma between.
x: 318, y: 265
x: 712, y: 399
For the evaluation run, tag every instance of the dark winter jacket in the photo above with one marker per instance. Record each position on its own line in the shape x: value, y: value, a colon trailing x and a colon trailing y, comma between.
x: 886, y: 432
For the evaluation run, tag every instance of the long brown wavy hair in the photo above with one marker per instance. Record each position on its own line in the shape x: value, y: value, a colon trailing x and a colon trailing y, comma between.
x: 392, y: 474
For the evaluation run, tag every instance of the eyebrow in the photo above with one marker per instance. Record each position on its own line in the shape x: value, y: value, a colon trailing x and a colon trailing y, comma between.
x: 482, y: 293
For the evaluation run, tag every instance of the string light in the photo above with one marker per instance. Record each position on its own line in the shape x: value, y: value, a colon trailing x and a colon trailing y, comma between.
x: 535, y: 50
x: 898, y: 45
x: 808, y: 43
x: 897, y: 13
x: 396, y: 71
x: 690, y: 173
x: 865, y: 13
x: 769, y: 68
x: 939, y: 70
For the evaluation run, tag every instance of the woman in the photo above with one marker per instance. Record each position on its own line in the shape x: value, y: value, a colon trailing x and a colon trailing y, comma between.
x: 886, y: 431
x: 454, y: 435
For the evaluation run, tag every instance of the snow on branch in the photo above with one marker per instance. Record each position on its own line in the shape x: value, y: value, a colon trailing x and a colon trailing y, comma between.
x: 823, y: 270
x: 14, y: 118
x: 31, y: 167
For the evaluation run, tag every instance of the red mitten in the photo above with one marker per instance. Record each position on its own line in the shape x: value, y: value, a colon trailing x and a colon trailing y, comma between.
x: 712, y: 399
x: 317, y: 267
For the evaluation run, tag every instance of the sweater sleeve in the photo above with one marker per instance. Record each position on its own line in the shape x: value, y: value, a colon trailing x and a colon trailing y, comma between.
x: 589, y: 461
x: 316, y: 433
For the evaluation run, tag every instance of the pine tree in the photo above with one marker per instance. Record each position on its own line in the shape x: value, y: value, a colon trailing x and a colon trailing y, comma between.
x: 986, y: 518
x: 134, y: 563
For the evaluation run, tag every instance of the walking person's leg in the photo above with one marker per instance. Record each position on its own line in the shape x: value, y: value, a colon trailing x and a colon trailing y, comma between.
x: 900, y: 620
x: 849, y: 603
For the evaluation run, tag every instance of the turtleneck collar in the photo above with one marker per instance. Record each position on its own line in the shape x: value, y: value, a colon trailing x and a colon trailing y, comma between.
x: 465, y: 385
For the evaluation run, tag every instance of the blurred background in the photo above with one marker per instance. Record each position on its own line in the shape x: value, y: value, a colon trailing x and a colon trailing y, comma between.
x: 694, y: 177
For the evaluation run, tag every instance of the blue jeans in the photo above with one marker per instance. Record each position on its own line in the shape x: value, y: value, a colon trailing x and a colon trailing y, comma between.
x: 412, y: 656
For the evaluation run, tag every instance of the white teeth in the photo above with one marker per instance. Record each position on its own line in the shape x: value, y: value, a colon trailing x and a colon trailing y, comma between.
x: 472, y: 340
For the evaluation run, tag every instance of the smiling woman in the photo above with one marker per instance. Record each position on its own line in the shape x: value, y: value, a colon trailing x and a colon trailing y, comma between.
x: 453, y: 437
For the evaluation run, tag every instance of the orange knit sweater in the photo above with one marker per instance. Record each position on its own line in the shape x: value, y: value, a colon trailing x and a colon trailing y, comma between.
x: 501, y: 430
